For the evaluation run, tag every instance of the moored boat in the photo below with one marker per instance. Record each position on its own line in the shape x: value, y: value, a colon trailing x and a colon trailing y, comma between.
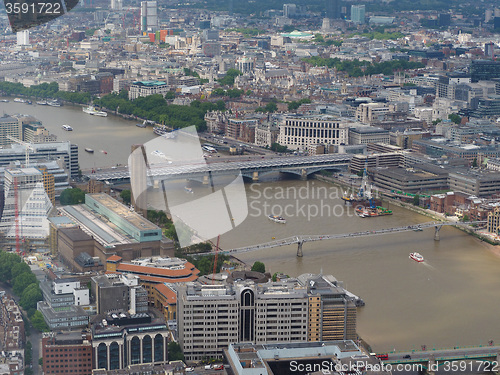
x: 91, y: 110
x: 42, y: 102
x: 188, y: 190
x: 417, y: 257
x: 54, y: 103
x: 19, y: 100
x: 277, y: 219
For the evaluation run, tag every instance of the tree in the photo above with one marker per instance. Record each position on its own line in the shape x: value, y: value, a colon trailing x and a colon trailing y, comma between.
x: 275, y: 277
x: 259, y: 267
x: 474, y: 163
x: 21, y: 282
x: 126, y: 195
x: 38, y: 322
x: 29, y: 298
x: 72, y: 196
x: 175, y: 352
x: 416, y: 200
x: 455, y: 118
x: 276, y: 147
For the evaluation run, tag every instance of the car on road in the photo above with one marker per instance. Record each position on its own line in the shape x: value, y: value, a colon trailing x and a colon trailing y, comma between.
x: 208, y: 367
x: 407, y: 356
x: 189, y: 369
x: 219, y: 367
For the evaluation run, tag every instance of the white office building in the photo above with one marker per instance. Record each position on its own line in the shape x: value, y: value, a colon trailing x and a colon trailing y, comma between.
x: 304, y: 132
x: 149, y: 15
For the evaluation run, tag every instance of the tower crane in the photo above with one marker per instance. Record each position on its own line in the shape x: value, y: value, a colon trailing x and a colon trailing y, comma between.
x: 29, y: 147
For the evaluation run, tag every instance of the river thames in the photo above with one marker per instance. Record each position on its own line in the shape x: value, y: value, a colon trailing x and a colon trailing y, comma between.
x: 452, y: 299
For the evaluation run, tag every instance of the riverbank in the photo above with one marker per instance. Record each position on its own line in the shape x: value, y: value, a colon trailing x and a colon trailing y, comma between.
x: 483, y: 237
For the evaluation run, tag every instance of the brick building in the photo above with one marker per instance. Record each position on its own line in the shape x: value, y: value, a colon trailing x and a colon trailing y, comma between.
x: 66, y: 353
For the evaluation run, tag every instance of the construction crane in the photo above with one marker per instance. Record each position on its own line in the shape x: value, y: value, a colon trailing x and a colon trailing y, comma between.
x: 29, y: 147
x: 215, y: 259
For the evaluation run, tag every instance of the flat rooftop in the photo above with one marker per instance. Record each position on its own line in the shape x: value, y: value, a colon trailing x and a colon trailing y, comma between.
x: 124, y: 212
x: 104, y: 232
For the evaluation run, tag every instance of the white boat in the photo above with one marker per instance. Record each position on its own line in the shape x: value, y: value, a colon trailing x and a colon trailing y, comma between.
x: 4, y: 100
x: 89, y: 150
x: 54, y: 103
x: 19, y: 100
x: 188, y: 190
x: 67, y: 128
x: 91, y: 110
x: 416, y: 257
x: 42, y: 102
x: 277, y: 219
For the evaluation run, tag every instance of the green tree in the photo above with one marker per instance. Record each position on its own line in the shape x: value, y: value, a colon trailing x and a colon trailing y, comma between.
x: 72, y: 196
x: 416, y: 200
x: 175, y: 352
x: 275, y: 277
x: 276, y: 147
x: 259, y: 267
x: 474, y: 163
x: 21, y: 282
x: 126, y: 195
x: 38, y: 322
x: 29, y: 298
x: 455, y: 118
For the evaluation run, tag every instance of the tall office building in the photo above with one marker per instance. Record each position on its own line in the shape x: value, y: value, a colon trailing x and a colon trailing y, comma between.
x: 333, y: 9
x: 289, y: 10
x: 358, y: 13
x: 23, y: 38
x: 9, y: 126
x: 149, y: 15
x: 116, y: 4
x: 311, y: 307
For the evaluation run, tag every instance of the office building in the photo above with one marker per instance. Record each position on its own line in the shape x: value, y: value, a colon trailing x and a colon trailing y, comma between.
x: 9, y: 126
x: 146, y: 88
x: 303, y: 132
x: 358, y: 13
x: 66, y: 353
x: 121, y: 340
x: 25, y: 195
x: 42, y: 152
x: 310, y: 308
x: 149, y: 16
x: 116, y: 230
x: 119, y: 292
x: 289, y: 10
x: 333, y: 9
x: 368, y: 134
x: 23, y: 38
x: 280, y: 358
x: 153, y: 271
x: 483, y: 70
x: 65, y: 304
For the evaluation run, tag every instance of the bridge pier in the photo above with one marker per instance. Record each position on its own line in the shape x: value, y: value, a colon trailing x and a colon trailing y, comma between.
x: 299, y: 249
x: 437, y: 228
x: 432, y: 365
x: 303, y: 175
x: 206, y: 180
x: 156, y: 184
x: 255, y: 176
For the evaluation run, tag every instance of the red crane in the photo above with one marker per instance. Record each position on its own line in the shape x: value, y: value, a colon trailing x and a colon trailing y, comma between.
x: 215, y: 259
